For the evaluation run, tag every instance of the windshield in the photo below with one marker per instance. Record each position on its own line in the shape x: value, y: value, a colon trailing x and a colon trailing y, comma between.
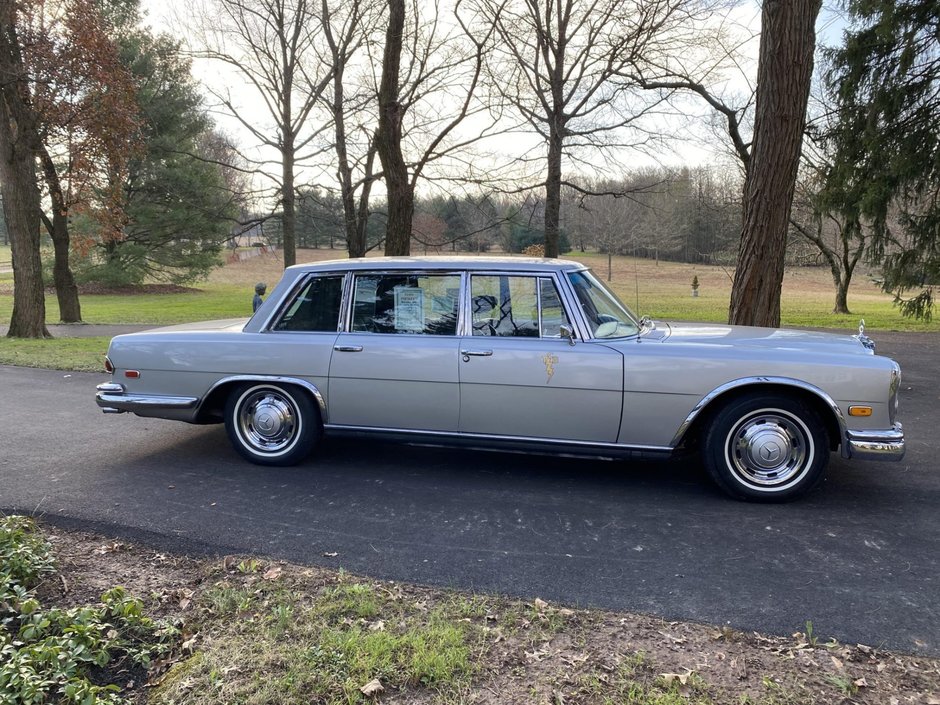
x: 607, y: 317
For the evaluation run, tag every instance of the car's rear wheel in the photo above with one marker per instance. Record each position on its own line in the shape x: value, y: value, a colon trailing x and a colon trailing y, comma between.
x: 766, y: 448
x: 271, y: 424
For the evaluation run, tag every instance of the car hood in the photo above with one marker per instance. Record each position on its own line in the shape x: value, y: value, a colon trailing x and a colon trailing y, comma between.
x: 751, y: 337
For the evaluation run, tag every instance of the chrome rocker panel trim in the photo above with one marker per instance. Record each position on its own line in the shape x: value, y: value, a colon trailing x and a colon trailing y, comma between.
x: 876, y: 445
x: 483, y: 441
x: 112, y: 399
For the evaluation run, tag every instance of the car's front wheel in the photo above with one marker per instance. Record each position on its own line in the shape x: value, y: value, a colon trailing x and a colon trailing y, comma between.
x: 271, y: 424
x: 766, y: 448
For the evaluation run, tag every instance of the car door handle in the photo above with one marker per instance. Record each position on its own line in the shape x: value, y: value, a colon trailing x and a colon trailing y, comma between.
x: 476, y: 353
x: 347, y: 348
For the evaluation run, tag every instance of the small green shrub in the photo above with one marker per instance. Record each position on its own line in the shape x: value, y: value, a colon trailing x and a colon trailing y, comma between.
x: 56, y: 655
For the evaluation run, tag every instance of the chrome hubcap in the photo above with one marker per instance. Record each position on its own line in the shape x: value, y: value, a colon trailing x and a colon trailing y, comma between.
x: 769, y: 447
x: 268, y: 420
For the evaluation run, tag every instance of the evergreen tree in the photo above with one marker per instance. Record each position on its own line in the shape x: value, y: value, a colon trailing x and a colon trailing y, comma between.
x: 179, y: 207
x: 886, y: 79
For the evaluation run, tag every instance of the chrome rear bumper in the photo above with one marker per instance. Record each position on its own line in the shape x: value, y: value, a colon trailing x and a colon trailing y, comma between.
x: 875, y: 445
x: 112, y: 399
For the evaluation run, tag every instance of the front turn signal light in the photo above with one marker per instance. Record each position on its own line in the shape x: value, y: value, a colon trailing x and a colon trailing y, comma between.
x: 859, y: 411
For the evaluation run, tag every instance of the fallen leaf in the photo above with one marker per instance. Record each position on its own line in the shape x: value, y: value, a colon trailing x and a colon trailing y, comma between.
x: 373, y: 687
x: 880, y: 667
x: 228, y: 563
x: 377, y: 626
x: 565, y: 612
x: 860, y: 683
x: 837, y: 663
x: 933, y: 701
x: 683, y: 678
x: 190, y: 643
x: 864, y: 649
x: 540, y: 604
x: 273, y: 573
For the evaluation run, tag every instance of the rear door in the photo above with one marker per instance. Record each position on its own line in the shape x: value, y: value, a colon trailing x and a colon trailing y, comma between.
x: 396, y: 367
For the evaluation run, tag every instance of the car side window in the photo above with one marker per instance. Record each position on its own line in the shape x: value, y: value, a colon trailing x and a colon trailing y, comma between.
x: 423, y: 304
x: 508, y: 306
x: 315, y: 308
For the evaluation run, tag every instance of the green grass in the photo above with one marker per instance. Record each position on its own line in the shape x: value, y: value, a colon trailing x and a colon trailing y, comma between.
x: 209, y: 302
x: 277, y: 643
x: 79, y: 354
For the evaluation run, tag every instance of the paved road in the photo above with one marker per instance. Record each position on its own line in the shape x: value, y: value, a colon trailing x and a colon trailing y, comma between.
x: 859, y: 557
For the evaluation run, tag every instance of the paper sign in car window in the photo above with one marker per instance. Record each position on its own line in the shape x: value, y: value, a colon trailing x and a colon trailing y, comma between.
x: 409, y: 309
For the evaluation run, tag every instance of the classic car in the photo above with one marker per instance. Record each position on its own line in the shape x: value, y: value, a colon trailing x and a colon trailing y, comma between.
x: 512, y: 353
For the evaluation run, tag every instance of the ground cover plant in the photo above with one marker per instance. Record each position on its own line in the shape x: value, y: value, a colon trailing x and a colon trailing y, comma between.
x: 259, y: 631
x: 66, y: 655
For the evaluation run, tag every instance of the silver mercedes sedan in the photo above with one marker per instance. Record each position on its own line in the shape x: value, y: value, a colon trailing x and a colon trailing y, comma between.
x: 512, y: 353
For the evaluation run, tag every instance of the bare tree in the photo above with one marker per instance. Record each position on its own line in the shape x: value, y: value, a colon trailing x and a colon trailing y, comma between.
x: 565, y: 67
x: 346, y: 29
x: 271, y: 44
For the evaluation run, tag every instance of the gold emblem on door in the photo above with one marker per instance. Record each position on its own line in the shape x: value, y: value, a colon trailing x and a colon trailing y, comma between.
x: 549, y: 361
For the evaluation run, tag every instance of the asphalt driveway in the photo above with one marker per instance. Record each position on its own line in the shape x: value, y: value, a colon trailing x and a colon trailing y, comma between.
x: 859, y: 557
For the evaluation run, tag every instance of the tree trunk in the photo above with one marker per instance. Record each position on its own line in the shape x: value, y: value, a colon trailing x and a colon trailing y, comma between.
x: 785, y: 67
x: 388, y: 138
x: 21, y: 203
x: 288, y: 206
x: 70, y: 310
x: 553, y: 192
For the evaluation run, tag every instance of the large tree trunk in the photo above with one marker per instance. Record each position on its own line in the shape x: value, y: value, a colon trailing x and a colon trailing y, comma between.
x: 21, y: 211
x: 21, y: 205
x: 553, y: 193
x: 70, y: 310
x: 288, y: 206
x: 785, y: 68
x: 388, y: 138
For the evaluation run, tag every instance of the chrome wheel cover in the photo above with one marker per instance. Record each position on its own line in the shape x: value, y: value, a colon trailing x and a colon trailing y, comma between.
x: 769, y: 449
x: 267, y: 420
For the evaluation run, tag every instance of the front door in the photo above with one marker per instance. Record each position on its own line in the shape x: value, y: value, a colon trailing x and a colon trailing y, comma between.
x: 519, y: 378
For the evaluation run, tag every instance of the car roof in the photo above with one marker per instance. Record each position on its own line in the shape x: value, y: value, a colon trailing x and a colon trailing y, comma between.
x: 463, y: 262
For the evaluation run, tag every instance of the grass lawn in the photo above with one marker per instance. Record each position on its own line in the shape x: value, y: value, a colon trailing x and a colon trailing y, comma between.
x: 661, y: 290
x: 270, y: 633
x: 6, y: 260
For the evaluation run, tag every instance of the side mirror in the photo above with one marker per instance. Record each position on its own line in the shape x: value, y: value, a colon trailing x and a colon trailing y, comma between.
x: 567, y: 332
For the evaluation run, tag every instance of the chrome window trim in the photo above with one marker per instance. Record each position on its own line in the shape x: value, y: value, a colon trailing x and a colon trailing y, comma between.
x: 756, y: 381
x: 559, y: 283
x: 354, y: 274
x: 268, y: 326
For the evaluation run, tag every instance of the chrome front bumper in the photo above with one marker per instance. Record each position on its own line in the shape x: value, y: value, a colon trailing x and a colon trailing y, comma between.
x: 875, y: 445
x: 113, y: 399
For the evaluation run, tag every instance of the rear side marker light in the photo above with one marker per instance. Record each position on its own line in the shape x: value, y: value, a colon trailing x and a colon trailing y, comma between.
x: 134, y: 374
x: 859, y: 411
x: 108, y: 366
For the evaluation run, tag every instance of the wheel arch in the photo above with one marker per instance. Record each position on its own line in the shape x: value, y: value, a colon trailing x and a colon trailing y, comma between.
x: 823, y: 404
x: 212, y: 405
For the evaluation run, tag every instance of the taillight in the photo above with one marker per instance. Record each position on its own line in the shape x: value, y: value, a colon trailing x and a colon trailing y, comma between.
x: 109, y: 368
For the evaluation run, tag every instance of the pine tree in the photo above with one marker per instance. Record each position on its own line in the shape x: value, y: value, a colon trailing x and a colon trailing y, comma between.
x: 886, y: 79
